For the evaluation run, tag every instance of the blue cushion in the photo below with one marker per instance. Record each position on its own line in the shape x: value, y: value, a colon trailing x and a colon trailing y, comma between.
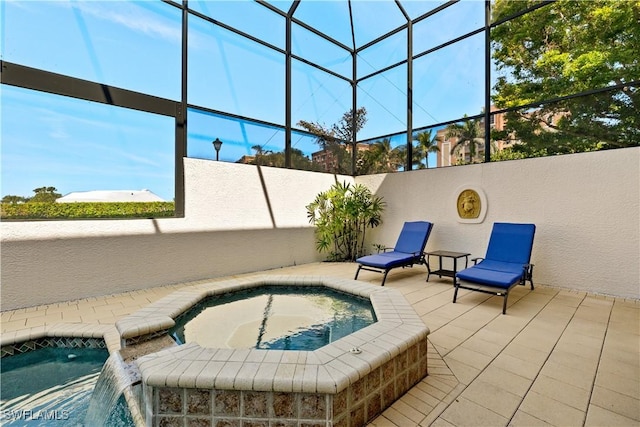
x: 413, y: 237
x: 511, y: 242
x: 507, y: 267
x: 388, y: 260
x: 501, y: 279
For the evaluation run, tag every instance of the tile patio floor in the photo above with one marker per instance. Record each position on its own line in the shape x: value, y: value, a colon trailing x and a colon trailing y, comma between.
x: 557, y: 358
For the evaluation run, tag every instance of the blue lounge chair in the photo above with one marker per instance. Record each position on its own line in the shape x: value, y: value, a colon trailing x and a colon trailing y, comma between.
x: 505, y: 265
x: 409, y: 250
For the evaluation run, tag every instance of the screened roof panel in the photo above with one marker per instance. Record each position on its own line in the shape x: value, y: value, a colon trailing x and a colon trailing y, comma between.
x: 328, y: 17
x: 372, y: 19
x: 316, y: 49
x: 244, y: 16
x: 387, y: 52
x: 282, y: 5
x: 416, y: 9
x: 454, y: 21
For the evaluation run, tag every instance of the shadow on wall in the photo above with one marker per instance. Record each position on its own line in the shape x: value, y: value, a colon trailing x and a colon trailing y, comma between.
x: 36, y: 272
x: 237, y: 196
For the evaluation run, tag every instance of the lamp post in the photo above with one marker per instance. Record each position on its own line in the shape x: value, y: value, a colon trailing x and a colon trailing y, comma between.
x: 217, y: 144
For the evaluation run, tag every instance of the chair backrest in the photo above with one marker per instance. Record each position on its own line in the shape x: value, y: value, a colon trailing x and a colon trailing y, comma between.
x: 511, y: 242
x: 413, y: 237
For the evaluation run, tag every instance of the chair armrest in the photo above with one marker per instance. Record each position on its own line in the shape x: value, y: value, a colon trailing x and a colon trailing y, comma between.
x: 527, y: 274
x: 412, y: 253
x: 475, y: 260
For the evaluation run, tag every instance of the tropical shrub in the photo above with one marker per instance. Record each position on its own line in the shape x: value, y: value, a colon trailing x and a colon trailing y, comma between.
x: 342, y: 215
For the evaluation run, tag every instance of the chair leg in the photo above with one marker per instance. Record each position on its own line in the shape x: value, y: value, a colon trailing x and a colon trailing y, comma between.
x: 504, y: 303
x: 357, y: 272
x: 455, y: 292
x: 384, y: 277
x: 426, y: 263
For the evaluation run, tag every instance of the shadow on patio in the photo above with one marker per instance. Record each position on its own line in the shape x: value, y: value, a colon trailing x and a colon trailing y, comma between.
x: 557, y: 358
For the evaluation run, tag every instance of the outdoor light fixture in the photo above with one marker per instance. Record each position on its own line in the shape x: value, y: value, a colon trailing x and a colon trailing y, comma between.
x: 217, y: 144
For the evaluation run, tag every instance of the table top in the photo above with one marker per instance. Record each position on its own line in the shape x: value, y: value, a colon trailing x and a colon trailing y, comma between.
x: 449, y: 254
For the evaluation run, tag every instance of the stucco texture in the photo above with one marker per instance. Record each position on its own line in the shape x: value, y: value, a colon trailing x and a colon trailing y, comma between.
x: 585, y: 207
x: 244, y: 218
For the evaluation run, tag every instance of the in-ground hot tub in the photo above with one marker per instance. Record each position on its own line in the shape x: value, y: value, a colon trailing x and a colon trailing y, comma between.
x: 274, y: 318
x: 345, y: 383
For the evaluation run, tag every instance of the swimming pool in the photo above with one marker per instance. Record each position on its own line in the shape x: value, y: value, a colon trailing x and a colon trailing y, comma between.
x: 53, y: 387
x: 274, y: 317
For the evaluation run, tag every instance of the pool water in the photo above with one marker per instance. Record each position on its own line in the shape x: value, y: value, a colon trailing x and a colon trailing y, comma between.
x: 274, y: 317
x: 52, y: 387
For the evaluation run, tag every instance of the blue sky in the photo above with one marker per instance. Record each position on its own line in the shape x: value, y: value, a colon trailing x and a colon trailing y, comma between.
x: 75, y: 145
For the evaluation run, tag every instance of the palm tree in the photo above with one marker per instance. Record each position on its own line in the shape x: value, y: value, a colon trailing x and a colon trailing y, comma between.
x: 416, y: 156
x: 258, y: 149
x: 387, y: 159
x: 334, y: 140
x: 470, y: 134
x: 427, y: 143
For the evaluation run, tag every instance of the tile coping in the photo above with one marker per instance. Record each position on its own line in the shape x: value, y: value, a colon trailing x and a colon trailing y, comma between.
x: 329, y: 369
x: 64, y: 330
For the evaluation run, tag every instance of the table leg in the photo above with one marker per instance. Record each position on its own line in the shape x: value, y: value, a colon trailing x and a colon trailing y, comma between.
x: 455, y: 268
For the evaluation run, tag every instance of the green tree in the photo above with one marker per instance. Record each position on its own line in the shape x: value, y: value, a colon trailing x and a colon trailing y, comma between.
x: 336, y: 138
x: 345, y: 129
x: 13, y: 200
x: 563, y: 48
x: 508, y: 153
x: 427, y: 142
x: 45, y: 195
x: 381, y: 157
x: 365, y: 163
x: 258, y: 149
x: 417, y: 157
x: 277, y: 159
x: 301, y: 162
x: 469, y: 135
x: 387, y: 159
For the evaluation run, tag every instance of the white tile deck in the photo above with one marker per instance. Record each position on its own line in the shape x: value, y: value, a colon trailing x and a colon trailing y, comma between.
x: 398, y: 327
x: 557, y: 358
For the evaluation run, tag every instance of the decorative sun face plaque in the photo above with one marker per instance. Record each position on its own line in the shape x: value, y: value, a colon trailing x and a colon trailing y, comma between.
x: 471, y: 204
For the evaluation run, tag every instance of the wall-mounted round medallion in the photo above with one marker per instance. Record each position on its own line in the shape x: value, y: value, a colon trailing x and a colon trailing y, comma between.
x: 471, y: 204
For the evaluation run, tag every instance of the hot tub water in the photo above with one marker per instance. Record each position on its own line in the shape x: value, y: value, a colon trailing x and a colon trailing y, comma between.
x: 274, y: 317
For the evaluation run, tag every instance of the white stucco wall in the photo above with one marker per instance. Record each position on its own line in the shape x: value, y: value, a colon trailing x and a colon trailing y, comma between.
x: 238, y: 218
x: 241, y: 218
x: 585, y: 207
